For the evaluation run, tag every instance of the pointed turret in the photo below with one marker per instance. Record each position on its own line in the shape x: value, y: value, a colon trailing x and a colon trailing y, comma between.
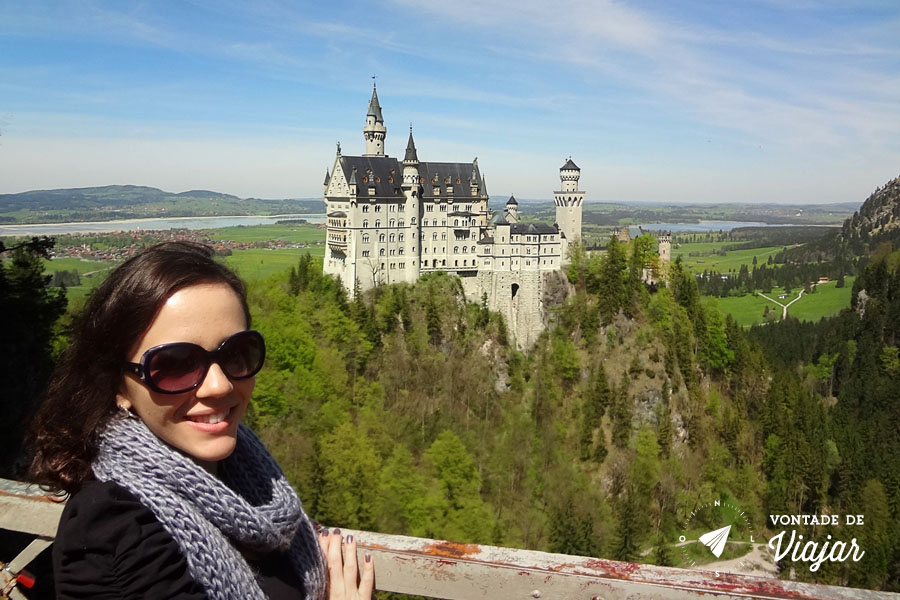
x: 411, y: 155
x: 512, y: 210
x: 327, y: 177
x: 375, y: 107
x: 374, y: 131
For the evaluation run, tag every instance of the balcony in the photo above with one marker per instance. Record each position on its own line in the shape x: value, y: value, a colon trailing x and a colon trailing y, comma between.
x: 440, y: 569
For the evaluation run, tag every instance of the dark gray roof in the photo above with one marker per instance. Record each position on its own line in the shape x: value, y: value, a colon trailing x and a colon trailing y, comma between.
x: 532, y: 228
x: 457, y: 172
x: 336, y: 213
x: 463, y: 213
x: 512, y: 200
x: 327, y: 176
x: 486, y: 240
x: 374, y: 107
x: 411, y: 149
x: 377, y: 171
x: 569, y: 165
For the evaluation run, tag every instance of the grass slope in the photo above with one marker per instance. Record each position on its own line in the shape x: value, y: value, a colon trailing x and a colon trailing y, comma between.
x: 828, y: 300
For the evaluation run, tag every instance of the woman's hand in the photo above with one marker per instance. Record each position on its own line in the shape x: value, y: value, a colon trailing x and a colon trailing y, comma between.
x: 343, y: 571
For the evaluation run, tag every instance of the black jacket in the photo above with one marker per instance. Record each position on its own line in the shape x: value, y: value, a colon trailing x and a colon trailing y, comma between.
x: 109, y: 545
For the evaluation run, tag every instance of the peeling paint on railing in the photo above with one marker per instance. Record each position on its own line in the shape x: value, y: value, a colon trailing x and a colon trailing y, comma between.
x: 457, y: 571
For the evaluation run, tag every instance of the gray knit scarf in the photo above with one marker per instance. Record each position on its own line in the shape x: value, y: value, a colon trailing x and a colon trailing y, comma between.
x: 251, y: 505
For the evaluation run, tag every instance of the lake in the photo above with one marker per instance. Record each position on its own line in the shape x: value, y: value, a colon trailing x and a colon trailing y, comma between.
x: 702, y: 226
x: 145, y: 224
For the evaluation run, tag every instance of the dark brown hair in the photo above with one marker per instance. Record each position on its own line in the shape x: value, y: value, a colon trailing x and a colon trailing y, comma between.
x: 81, y: 397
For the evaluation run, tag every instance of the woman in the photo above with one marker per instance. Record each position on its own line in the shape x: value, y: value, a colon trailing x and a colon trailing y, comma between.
x: 171, y: 497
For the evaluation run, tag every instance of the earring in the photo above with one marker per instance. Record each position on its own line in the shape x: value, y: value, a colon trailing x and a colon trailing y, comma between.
x: 125, y: 411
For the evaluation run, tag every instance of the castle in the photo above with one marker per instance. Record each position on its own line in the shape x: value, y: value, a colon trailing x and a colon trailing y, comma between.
x: 390, y: 221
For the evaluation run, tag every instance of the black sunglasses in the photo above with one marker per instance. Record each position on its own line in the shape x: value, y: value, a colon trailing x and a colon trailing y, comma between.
x: 179, y: 367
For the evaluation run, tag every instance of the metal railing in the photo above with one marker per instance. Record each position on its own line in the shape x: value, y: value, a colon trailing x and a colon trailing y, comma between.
x: 455, y: 571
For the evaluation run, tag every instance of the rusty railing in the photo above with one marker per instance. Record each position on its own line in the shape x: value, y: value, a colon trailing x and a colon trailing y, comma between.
x: 456, y: 571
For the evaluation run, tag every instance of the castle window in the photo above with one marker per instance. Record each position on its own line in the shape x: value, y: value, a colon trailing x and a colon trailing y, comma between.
x: 365, y: 238
x: 455, y: 263
x: 365, y: 208
x: 465, y: 249
x: 425, y: 263
x: 455, y: 222
x: 377, y: 208
x: 393, y: 251
x: 372, y: 190
x: 378, y: 180
x: 468, y: 208
x: 528, y: 251
x: 473, y: 249
x: 443, y: 263
x: 393, y: 265
x: 456, y: 207
x: 429, y: 208
x: 393, y: 207
x: 527, y: 263
x: 446, y: 180
x: 401, y: 223
x: 381, y: 252
x: 381, y: 238
x: 400, y: 238
x: 434, y: 236
x: 487, y: 261
x: 393, y: 237
x: 366, y: 179
x: 443, y: 208
x: 392, y: 222
x: 465, y: 263
x: 455, y: 249
x: 437, y: 190
x: 444, y: 235
x: 365, y: 223
x: 377, y: 223
x: 412, y: 221
x: 401, y: 249
x: 443, y: 222
x: 365, y: 253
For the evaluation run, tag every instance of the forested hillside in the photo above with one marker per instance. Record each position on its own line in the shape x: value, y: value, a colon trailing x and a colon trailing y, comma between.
x: 135, y: 201
x: 407, y: 411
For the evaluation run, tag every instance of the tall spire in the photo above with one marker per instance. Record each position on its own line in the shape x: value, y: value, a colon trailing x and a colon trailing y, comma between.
x: 411, y: 155
x: 374, y: 106
x: 374, y: 130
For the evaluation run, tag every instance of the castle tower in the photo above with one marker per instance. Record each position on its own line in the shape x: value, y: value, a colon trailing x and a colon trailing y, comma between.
x: 665, y: 246
x: 569, y: 203
x: 374, y: 131
x: 512, y: 210
x: 411, y: 166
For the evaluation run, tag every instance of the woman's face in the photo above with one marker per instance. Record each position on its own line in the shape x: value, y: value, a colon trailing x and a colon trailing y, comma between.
x: 203, y: 422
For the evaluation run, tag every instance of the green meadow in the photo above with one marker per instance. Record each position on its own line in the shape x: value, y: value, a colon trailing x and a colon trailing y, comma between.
x: 827, y: 300
x: 705, y: 256
x: 261, y: 233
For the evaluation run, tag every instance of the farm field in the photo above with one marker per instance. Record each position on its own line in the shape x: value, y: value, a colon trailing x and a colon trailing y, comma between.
x: 827, y: 301
x: 259, y: 233
x: 705, y: 257
x: 260, y: 263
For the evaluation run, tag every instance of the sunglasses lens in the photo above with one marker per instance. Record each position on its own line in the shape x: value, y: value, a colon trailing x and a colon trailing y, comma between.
x: 177, y: 367
x: 242, y: 355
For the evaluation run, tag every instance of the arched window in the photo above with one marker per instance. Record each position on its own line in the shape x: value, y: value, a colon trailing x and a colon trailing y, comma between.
x: 434, y: 235
x: 365, y: 238
x: 365, y: 208
x: 393, y: 238
x: 444, y: 235
x: 400, y: 238
x: 381, y: 252
x: 381, y: 237
x: 455, y: 222
x: 425, y: 263
x: 401, y: 223
x: 465, y: 249
x: 392, y: 223
x: 365, y: 223
x: 377, y: 223
x: 413, y: 221
x: 473, y: 249
x: 455, y: 249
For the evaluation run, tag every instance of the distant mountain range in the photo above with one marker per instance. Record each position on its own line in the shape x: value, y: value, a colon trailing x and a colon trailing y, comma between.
x: 133, y: 201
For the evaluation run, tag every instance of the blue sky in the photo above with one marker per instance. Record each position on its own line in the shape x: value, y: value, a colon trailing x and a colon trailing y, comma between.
x: 755, y: 101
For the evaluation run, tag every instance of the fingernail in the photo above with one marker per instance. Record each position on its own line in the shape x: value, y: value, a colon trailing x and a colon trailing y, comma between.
x: 349, y: 539
x: 368, y: 558
x: 336, y: 532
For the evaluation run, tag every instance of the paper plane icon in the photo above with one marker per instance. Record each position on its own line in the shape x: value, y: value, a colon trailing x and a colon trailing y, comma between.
x: 716, y: 540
